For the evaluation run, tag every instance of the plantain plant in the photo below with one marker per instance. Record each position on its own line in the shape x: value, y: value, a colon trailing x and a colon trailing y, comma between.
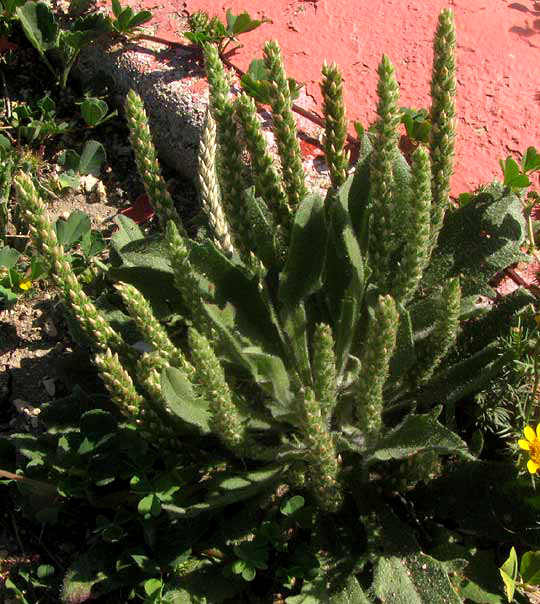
x: 327, y: 339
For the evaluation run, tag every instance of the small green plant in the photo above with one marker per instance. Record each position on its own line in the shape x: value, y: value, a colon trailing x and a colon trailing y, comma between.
x: 312, y: 345
x: 524, y: 577
x: 89, y: 161
x: 17, y: 277
x: 95, y: 112
x: 82, y: 244
x: 125, y: 20
x: 44, y: 33
x: 30, y: 582
x: 39, y: 122
x: 517, y: 178
x: 417, y: 124
x: 204, y: 29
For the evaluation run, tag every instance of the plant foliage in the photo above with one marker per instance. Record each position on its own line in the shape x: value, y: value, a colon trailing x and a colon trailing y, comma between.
x: 326, y: 339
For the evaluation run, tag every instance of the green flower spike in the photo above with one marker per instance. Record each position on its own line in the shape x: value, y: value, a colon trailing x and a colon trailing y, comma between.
x: 285, y: 126
x: 417, y: 240
x: 378, y: 350
x: 335, y: 125
x: 322, y: 454
x: 226, y: 421
x: 209, y: 187
x: 266, y: 177
x: 324, y: 368
x: 443, y: 118
x: 381, y: 172
x: 231, y: 166
x: 184, y: 277
x: 151, y: 329
x: 94, y: 324
x: 147, y: 161
x: 119, y: 384
x: 444, y: 332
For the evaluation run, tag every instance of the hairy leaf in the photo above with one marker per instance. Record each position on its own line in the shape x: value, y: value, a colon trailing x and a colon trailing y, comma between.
x: 183, y: 402
x: 302, y: 274
x: 415, y: 434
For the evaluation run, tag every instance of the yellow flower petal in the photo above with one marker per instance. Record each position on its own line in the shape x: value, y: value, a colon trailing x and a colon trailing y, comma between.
x: 529, y: 434
x: 25, y: 285
x: 538, y: 431
x: 524, y: 444
x: 532, y: 466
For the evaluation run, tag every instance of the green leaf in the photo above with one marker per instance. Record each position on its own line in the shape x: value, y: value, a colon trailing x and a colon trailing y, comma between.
x: 145, y: 252
x: 92, y: 243
x: 44, y: 571
x: 412, y: 579
x: 81, y: 577
x: 531, y: 160
x: 39, y: 25
x: 70, y: 231
x: 415, y: 434
x: 263, y: 230
x: 140, y: 18
x: 202, y: 583
x: 230, y: 488
x: 319, y: 592
x: 509, y: 571
x: 242, y: 23
x: 116, y: 8
x: 93, y: 110
x: 182, y: 401
x: 345, y: 273
x: 92, y: 157
x: 248, y: 573
x: 513, y: 177
x: 128, y: 231
x: 152, y: 587
x: 404, y: 355
x: 529, y: 568
x: 402, y: 572
x: 163, y: 299
x: 124, y: 18
x: 477, y: 241
x: 69, y: 159
x: 268, y: 370
x: 235, y: 286
x: 292, y: 505
x: 149, y: 505
x: 302, y: 274
x: 8, y: 257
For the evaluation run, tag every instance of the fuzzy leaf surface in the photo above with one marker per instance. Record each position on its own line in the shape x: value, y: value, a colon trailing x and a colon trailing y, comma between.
x: 302, y: 274
x: 478, y: 240
x: 318, y: 592
x: 183, y: 402
x: 229, y: 488
x: 128, y: 231
x: 415, y: 434
x: 233, y: 285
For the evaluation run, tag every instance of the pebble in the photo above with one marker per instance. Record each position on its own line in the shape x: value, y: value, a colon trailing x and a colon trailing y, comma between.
x: 49, y: 385
x: 50, y: 329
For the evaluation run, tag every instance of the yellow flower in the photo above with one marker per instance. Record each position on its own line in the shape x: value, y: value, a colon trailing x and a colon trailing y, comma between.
x: 25, y: 285
x: 532, y: 445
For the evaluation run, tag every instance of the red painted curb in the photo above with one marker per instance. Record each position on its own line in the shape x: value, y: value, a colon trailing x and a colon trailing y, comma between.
x: 498, y: 59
